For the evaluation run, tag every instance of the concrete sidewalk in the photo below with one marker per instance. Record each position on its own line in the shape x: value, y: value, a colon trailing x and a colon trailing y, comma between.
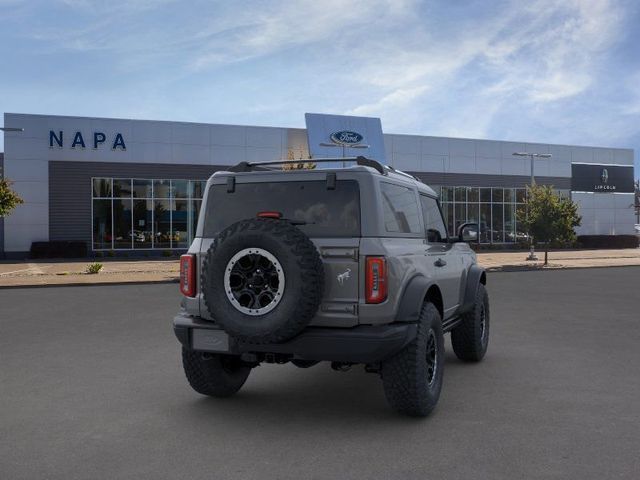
x: 52, y: 272
x: 507, y: 261
x: 73, y: 272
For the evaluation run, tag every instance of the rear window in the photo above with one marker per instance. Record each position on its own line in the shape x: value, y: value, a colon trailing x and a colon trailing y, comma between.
x: 400, y: 209
x: 320, y: 211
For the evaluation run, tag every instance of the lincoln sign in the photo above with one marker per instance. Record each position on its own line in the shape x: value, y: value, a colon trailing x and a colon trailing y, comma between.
x: 601, y: 178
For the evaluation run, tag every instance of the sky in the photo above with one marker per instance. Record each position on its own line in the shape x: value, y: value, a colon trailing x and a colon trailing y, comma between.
x: 539, y: 71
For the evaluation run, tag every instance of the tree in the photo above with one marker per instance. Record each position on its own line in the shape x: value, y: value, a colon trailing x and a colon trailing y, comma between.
x: 8, y: 198
x: 550, y: 217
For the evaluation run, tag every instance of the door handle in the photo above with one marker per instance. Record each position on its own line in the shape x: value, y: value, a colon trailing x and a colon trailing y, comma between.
x: 440, y: 263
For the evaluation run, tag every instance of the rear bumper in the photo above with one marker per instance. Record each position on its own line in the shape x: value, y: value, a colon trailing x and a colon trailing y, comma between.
x: 361, y: 344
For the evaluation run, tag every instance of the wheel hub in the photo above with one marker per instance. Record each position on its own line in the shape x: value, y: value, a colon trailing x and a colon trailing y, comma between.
x: 432, y: 357
x: 483, y: 324
x: 254, y: 281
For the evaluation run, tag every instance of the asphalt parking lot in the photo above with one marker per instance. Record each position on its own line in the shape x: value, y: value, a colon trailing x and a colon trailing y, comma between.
x: 91, y: 387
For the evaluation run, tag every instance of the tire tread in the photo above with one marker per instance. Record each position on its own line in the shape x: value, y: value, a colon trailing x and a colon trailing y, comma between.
x: 466, y: 337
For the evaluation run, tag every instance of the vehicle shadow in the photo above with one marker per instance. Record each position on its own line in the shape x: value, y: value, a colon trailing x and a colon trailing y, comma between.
x: 276, y: 394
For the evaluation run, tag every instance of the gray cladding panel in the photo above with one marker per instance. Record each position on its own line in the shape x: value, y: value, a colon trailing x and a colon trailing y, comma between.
x: 70, y: 190
x: 479, y: 180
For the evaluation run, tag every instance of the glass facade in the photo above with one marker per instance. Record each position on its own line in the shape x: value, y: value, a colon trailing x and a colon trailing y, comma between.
x: 138, y: 214
x: 494, y: 209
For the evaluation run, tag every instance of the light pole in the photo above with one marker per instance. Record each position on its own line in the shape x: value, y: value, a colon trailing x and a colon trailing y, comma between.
x: 344, y: 148
x: 532, y: 253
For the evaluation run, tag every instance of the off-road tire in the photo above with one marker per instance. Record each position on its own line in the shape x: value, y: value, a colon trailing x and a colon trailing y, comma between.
x: 470, y: 339
x: 214, y: 375
x: 405, y: 375
x: 303, y: 273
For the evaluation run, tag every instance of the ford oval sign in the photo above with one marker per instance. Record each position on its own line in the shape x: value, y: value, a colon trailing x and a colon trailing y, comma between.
x: 346, y: 137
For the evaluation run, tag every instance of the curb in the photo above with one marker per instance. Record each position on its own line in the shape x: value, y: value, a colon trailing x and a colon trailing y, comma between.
x: 95, y: 284
x: 525, y: 268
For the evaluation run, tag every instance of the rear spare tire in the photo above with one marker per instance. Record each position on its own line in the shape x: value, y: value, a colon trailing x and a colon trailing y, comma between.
x: 262, y: 280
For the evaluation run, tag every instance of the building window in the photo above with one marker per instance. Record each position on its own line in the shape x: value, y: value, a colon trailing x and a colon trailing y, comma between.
x: 496, y: 210
x: 102, y: 231
x: 134, y: 213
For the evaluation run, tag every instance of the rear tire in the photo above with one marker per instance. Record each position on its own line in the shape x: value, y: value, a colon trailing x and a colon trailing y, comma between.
x: 470, y: 339
x: 304, y: 363
x: 214, y: 375
x: 412, y: 379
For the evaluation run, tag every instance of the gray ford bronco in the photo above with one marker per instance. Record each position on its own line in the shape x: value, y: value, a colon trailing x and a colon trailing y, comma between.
x: 350, y: 265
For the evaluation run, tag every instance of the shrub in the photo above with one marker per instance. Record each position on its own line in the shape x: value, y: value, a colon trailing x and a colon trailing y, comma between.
x: 93, y: 268
x: 58, y: 249
x: 608, y: 241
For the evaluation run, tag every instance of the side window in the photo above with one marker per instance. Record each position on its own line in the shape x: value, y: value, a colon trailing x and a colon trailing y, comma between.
x: 401, y: 214
x: 434, y: 225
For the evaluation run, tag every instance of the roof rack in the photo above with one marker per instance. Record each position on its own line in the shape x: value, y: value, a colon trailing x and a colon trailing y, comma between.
x: 405, y: 174
x: 257, y: 166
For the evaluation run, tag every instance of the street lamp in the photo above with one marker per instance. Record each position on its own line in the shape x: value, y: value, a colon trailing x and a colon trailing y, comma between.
x: 11, y: 129
x: 532, y: 253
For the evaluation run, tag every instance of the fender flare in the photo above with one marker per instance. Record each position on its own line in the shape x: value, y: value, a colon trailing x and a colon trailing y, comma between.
x: 412, y: 299
x: 475, y: 276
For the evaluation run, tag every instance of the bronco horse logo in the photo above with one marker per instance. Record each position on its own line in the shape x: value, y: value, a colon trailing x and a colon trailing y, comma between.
x: 344, y: 276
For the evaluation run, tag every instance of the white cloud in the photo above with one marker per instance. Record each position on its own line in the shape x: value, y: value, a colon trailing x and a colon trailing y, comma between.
x: 552, y: 51
x: 521, y: 70
x: 397, y: 99
x: 286, y: 25
x: 528, y: 56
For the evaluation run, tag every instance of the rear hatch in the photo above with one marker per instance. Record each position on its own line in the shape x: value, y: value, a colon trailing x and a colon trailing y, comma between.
x: 327, y: 212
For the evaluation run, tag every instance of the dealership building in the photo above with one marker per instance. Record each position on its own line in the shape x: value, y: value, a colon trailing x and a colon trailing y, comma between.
x: 130, y: 185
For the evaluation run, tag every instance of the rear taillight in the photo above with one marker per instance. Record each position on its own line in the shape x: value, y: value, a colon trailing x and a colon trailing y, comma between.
x: 188, y: 275
x: 277, y: 215
x: 376, y: 280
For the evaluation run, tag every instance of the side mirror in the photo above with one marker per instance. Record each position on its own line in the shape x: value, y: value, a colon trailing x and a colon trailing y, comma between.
x: 469, y: 232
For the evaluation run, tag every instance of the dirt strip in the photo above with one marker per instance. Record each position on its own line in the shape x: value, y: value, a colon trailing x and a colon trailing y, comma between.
x: 73, y: 272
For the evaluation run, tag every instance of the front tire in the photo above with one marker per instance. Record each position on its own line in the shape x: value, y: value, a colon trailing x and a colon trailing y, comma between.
x: 214, y: 375
x: 412, y: 379
x: 470, y: 339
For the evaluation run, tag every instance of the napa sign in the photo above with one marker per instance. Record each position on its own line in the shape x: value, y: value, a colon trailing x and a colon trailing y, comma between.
x: 98, y: 139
